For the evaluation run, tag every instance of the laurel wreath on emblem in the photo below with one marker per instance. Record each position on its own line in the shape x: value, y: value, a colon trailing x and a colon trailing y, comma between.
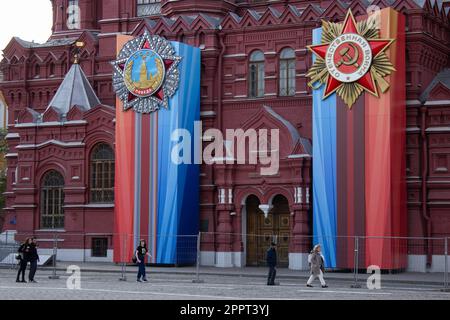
x: 366, y: 32
x: 142, y: 87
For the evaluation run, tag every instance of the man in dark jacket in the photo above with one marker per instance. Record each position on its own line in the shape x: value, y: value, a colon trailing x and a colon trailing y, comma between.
x: 272, y: 263
x: 33, y: 258
x: 24, y: 257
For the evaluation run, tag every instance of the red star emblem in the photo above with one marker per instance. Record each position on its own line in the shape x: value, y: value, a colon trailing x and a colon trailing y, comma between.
x: 349, y: 58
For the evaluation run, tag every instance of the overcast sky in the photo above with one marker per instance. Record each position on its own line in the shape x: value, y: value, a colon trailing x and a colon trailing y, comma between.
x: 27, y: 19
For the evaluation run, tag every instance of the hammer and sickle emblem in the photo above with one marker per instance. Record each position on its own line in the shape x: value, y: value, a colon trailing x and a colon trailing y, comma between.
x: 351, y: 61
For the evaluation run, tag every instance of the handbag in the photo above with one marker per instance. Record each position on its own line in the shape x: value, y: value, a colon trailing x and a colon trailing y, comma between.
x: 134, y: 259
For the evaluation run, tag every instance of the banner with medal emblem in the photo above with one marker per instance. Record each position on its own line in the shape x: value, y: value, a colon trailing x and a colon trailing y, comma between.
x: 157, y: 83
x: 359, y: 125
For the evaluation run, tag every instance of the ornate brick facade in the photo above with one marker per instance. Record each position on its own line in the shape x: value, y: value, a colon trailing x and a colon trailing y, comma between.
x: 227, y: 32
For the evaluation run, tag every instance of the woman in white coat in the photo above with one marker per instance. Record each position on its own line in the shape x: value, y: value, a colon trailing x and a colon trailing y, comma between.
x: 316, y: 263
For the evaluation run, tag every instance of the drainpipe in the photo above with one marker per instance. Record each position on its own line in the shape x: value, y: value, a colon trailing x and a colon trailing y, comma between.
x: 425, y: 214
x: 219, y: 103
x: 219, y: 81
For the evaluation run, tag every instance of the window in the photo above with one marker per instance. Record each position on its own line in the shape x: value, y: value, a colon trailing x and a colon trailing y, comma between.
x: 52, y: 201
x: 287, y: 72
x: 51, y: 70
x: 73, y: 15
x: 37, y: 71
x: 256, y: 75
x: 148, y: 7
x: 99, y: 247
x: 204, y: 226
x: 102, y: 174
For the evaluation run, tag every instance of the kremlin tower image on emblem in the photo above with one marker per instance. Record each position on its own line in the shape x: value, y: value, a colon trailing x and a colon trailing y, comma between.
x: 150, y: 75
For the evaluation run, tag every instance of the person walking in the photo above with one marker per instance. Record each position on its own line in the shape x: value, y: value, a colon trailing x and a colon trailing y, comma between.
x: 34, y: 258
x: 272, y: 263
x: 316, y: 263
x: 23, y: 257
x: 141, y: 253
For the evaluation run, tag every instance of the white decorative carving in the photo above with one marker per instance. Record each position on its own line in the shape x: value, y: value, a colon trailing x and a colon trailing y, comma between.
x: 222, y: 196
x: 300, y: 195
x: 265, y: 208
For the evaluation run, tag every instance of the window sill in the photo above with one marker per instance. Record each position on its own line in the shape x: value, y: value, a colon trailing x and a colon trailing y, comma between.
x: 100, y: 205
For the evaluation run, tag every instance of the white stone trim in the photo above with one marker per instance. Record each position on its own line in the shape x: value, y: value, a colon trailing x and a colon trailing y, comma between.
x: 11, y: 155
x: 224, y: 260
x: 438, y: 129
x: 50, y: 124
x: 298, y: 156
x: 49, y: 142
x: 413, y: 103
x: 77, y: 255
x: 91, y: 205
x: 236, y: 55
x: 238, y: 259
x: 298, y: 261
x: 207, y: 258
x: 207, y: 113
x: 418, y: 263
x: 437, y: 103
x: 12, y: 136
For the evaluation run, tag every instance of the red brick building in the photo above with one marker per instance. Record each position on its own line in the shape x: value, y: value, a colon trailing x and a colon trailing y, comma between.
x: 254, y: 61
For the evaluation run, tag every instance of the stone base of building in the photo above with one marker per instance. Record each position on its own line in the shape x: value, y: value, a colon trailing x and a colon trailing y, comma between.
x: 222, y: 259
x: 228, y: 259
x: 8, y: 236
x: 78, y: 255
x: 298, y: 261
x: 418, y: 263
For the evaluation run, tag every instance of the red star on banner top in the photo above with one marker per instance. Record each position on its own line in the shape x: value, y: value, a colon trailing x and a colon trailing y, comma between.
x: 377, y: 46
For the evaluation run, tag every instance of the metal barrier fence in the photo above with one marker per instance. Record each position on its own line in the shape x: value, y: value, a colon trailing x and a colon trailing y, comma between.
x: 356, y: 259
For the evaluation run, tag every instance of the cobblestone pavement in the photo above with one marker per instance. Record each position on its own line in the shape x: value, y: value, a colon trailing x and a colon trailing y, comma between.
x: 106, y: 286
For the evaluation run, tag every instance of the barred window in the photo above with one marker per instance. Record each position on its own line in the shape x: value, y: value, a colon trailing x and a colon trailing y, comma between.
x: 52, y: 201
x: 256, y: 74
x: 99, y: 247
x: 148, y: 7
x: 102, y: 174
x: 287, y: 72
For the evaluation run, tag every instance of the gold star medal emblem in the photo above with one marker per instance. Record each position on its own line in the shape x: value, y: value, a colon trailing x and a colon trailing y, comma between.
x: 351, y: 59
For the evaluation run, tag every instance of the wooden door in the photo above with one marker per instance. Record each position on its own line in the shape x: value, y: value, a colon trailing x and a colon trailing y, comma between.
x: 253, y: 223
x: 261, y: 231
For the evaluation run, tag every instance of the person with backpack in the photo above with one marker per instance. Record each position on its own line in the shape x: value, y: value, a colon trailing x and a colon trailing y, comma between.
x: 34, y: 258
x: 272, y: 264
x: 140, y: 254
x: 23, y: 257
x: 316, y: 263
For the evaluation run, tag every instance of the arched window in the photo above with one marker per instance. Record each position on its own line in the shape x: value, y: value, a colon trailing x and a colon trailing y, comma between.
x: 52, y: 201
x: 201, y: 39
x: 51, y: 70
x: 37, y: 71
x: 256, y: 75
x: 287, y: 72
x: 102, y: 174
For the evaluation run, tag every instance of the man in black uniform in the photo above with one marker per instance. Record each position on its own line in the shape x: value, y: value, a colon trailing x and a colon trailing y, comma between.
x: 34, y: 258
x: 272, y: 263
